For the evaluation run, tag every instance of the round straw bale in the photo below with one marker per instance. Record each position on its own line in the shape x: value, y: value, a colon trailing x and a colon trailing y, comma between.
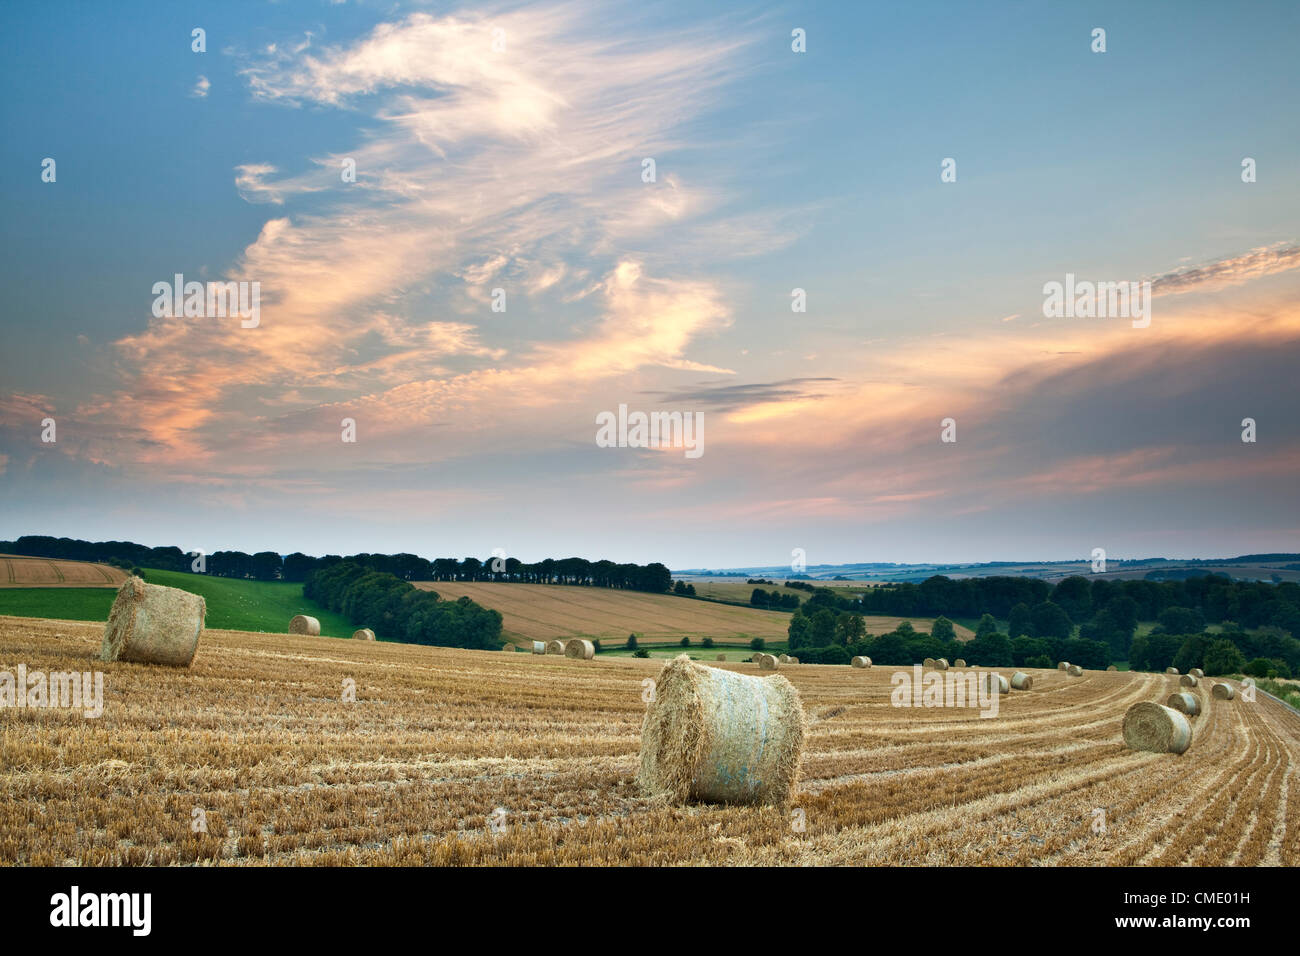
x: 1063, y: 666
x: 721, y: 657
x: 1022, y: 681
x: 959, y: 663
x: 539, y: 647
x: 941, y: 664
x: 152, y: 624
x: 1157, y: 728
x: 555, y: 647
x: 1112, y: 667
x: 1171, y: 670
x: 1224, y: 691
x: 793, y: 660
x: 784, y: 658
x: 995, y: 682
x: 302, y: 624
x: 1187, y: 680
x: 1197, y: 673
x: 862, y: 662
x: 1074, y: 670
x: 928, y: 662
x: 366, y: 634
x: 766, y: 662
x: 718, y: 736
x: 580, y: 649
x: 1185, y: 703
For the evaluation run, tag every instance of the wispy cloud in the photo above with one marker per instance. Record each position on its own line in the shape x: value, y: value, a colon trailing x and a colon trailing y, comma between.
x: 1235, y: 270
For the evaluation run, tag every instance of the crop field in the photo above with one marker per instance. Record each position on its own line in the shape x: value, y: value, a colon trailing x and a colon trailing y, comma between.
x: 231, y: 602
x: 470, y: 757
x: 17, y: 571
x: 543, y: 612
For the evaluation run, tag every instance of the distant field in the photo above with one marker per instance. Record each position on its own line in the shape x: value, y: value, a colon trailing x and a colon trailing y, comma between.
x: 18, y: 571
x: 232, y: 603
x: 67, y: 604
x: 543, y: 612
x: 740, y: 591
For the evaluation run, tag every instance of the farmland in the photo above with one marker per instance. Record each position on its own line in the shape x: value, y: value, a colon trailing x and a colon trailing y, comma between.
x: 17, y: 571
x: 543, y: 612
x: 257, y: 736
x: 231, y: 602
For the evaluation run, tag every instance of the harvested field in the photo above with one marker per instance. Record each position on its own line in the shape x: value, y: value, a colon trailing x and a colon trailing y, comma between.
x: 545, y: 612
x: 257, y: 735
x: 17, y: 571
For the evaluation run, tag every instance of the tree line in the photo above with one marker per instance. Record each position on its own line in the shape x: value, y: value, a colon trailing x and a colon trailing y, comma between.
x: 270, y: 566
x: 397, y: 610
x: 1087, y: 622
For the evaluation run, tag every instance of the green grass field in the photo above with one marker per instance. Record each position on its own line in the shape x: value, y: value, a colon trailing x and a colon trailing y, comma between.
x: 233, y: 604
x: 69, y: 604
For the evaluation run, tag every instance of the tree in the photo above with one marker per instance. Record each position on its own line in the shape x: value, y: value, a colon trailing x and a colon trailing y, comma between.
x: 1021, y: 622
x: 631, y: 642
x: 799, y: 632
x: 942, y: 629
x: 850, y: 628
x: 823, y: 627
x: 708, y: 642
x: 758, y: 598
x: 1223, y: 657
x: 1192, y: 652
x: 991, y: 650
x: 1050, y: 620
x: 1074, y: 596
x: 756, y: 644
x: 686, y: 642
x: 1181, y: 620
x: 987, y: 625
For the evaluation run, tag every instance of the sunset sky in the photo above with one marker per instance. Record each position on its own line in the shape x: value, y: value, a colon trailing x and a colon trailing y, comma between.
x: 521, y: 168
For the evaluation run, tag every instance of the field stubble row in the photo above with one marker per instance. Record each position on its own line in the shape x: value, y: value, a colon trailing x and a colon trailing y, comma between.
x: 256, y: 734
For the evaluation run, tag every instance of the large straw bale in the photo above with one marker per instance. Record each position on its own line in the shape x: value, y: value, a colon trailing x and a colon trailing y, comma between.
x: 580, y: 649
x: 1022, y: 681
x: 539, y: 647
x: 1185, y: 703
x: 366, y: 634
x: 555, y: 647
x: 1156, y: 728
x: 862, y: 662
x: 152, y: 624
x: 304, y: 624
x: 719, y: 736
x: 1223, y: 692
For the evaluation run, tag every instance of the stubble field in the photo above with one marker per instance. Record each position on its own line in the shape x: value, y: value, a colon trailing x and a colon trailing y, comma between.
x: 544, y: 612
x: 17, y: 571
x: 439, y: 743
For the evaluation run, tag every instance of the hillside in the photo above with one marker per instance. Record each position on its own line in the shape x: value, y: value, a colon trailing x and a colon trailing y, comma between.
x: 231, y: 602
x: 543, y: 612
x: 17, y: 571
x: 257, y: 735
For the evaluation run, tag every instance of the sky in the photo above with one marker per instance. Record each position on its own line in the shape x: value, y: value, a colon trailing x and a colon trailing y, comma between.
x: 504, y: 147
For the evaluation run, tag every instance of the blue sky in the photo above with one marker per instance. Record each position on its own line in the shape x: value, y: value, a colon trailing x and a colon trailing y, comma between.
x: 520, y: 169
